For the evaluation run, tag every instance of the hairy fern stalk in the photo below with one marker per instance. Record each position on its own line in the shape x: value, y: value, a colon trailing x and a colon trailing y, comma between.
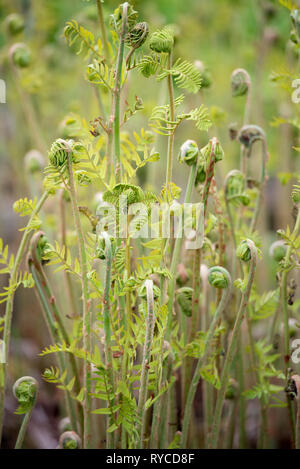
x: 150, y: 295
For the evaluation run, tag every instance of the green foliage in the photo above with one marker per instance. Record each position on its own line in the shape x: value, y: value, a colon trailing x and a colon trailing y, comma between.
x: 84, y: 39
x: 185, y: 74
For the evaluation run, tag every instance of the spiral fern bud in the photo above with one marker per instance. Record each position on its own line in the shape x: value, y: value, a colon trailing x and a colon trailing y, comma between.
x: 69, y: 440
x: 201, y: 173
x: 58, y: 153
x: 235, y: 186
x: 25, y: 391
x: 34, y: 161
x: 213, y: 145
x: 138, y: 35
x: 250, y: 134
x: 188, y: 153
x: 133, y: 194
x: 15, y: 24
x: 243, y: 251
x: 240, y: 82
x: 232, y: 389
x: 162, y: 41
x: 184, y: 297
x: 217, y: 277
x: 278, y: 250
x: 117, y: 18
x: 21, y: 55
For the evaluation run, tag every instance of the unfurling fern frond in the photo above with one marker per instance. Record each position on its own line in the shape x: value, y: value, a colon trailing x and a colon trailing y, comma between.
x: 133, y: 193
x: 160, y: 118
x: 148, y: 65
x: 163, y: 40
x: 185, y: 74
x: 74, y: 33
x: 24, y: 206
x: 99, y: 73
x: 296, y: 193
x: 201, y: 117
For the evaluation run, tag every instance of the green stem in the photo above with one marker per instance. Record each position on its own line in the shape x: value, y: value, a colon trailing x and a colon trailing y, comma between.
x: 202, y: 360
x: 285, y: 312
x: 150, y: 320
x: 107, y: 330
x: 23, y: 429
x: 55, y: 314
x: 172, y: 119
x: 213, y: 441
x: 55, y: 337
x: 103, y: 29
x: 86, y: 316
x: 10, y: 301
x: 117, y: 92
x: 176, y: 253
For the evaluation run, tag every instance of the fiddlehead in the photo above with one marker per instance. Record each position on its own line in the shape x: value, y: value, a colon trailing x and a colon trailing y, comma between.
x: 69, y: 440
x: 25, y: 391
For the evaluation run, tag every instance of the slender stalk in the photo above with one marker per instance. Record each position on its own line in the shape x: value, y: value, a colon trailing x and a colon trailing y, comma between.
x: 54, y: 338
x: 150, y: 320
x: 86, y: 316
x: 10, y: 302
x: 67, y: 275
x: 176, y: 252
x: 285, y: 312
x: 103, y: 29
x: 116, y: 94
x: 23, y: 429
x: 172, y: 119
x: 197, y: 263
x: 202, y: 360
x: 214, y: 437
x: 55, y: 315
x: 107, y: 329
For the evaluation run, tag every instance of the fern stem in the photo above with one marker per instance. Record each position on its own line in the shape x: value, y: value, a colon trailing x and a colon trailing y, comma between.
x: 10, y: 301
x: 67, y: 275
x: 214, y: 437
x: 172, y: 119
x: 23, y: 429
x: 56, y: 315
x: 107, y: 330
x: 150, y: 320
x: 54, y: 338
x: 86, y: 316
x: 202, y: 360
x: 176, y: 253
x: 285, y: 313
x: 117, y: 93
x: 103, y: 29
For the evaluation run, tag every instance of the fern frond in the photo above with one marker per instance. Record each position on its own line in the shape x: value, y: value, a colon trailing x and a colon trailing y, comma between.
x: 99, y: 73
x: 74, y: 33
x: 201, y: 117
x: 185, y: 74
x: 148, y: 65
